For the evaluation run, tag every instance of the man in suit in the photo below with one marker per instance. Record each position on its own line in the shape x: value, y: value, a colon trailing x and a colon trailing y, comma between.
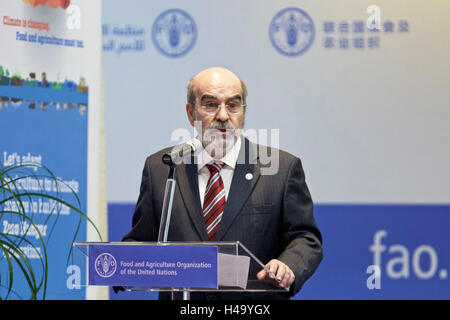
x: 227, y: 195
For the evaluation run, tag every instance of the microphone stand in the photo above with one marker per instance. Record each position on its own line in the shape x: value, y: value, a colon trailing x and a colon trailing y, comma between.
x: 167, y: 212
x: 168, y: 200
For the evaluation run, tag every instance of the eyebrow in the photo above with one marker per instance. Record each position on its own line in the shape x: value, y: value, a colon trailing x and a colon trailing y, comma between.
x: 236, y: 96
x: 208, y: 96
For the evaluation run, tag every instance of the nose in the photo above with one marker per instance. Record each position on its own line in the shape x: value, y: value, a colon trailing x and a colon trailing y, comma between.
x: 222, y: 114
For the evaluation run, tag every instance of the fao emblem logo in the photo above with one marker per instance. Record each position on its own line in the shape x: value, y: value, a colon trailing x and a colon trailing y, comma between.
x: 174, y: 33
x: 291, y: 31
x: 105, y: 265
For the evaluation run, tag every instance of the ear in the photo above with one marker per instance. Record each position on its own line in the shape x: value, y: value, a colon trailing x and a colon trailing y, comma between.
x: 190, y: 113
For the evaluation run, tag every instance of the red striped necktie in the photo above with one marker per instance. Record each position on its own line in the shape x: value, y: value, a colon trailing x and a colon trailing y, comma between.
x: 214, y: 202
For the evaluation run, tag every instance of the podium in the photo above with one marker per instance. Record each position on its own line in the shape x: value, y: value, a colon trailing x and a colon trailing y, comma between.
x: 172, y: 266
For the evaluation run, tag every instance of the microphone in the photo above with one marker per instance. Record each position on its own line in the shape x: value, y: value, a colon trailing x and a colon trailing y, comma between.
x: 176, y: 155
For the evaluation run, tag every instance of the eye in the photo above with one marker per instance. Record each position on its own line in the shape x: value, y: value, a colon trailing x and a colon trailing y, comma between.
x: 233, y: 105
x: 211, y: 105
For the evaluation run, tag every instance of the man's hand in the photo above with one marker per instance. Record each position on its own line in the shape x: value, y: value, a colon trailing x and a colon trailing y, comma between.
x: 284, y: 274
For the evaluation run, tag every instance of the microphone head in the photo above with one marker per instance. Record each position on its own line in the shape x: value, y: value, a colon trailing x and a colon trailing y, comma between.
x: 194, y: 143
x: 180, y: 152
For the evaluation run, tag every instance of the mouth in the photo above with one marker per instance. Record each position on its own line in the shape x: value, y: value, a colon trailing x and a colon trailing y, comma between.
x: 221, y: 131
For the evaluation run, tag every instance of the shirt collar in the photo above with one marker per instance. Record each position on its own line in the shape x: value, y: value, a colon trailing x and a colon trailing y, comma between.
x: 230, y: 159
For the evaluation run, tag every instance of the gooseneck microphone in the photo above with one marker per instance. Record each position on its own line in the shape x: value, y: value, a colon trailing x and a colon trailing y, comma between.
x: 179, y: 152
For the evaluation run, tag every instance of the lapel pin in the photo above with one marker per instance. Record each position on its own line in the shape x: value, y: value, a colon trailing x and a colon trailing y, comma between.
x: 249, y: 176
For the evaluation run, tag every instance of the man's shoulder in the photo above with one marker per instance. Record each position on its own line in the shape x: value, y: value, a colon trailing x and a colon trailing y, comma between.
x: 156, y: 158
x: 274, y: 161
x: 262, y: 152
x: 276, y: 150
x: 269, y: 151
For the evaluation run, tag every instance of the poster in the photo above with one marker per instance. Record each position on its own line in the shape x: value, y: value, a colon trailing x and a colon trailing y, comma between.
x: 49, y: 112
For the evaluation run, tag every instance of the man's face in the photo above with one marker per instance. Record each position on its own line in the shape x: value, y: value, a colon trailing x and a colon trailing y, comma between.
x: 218, y: 114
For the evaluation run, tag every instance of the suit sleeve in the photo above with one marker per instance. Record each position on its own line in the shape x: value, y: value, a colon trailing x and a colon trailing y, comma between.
x: 144, y: 224
x: 302, y: 238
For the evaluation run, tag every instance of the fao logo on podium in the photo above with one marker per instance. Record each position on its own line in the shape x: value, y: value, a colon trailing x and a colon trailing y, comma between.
x: 105, y: 265
x: 291, y: 31
x: 174, y: 33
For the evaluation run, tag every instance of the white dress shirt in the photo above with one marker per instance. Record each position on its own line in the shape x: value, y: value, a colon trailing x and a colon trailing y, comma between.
x: 226, y: 172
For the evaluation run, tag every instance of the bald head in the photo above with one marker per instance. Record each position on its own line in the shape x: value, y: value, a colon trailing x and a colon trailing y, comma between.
x: 217, y: 77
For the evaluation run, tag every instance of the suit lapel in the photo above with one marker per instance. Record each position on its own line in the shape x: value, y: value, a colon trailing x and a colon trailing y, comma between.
x: 241, y: 186
x: 187, y: 178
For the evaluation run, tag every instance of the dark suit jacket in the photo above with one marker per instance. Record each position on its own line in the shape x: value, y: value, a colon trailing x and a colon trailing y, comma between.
x: 272, y: 215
